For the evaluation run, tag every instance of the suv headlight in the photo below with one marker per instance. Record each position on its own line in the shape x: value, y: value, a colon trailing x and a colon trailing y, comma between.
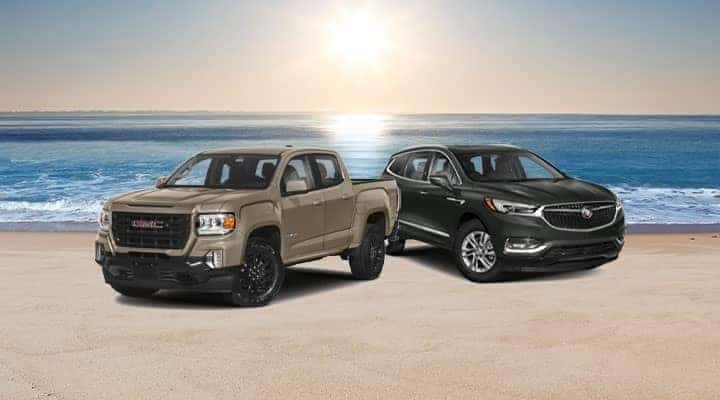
x: 104, y: 219
x: 215, y: 224
x: 509, y: 207
x: 618, y: 203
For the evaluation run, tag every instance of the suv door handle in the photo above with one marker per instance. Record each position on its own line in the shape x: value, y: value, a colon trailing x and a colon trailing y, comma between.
x: 317, y: 202
x: 422, y: 192
x: 459, y: 201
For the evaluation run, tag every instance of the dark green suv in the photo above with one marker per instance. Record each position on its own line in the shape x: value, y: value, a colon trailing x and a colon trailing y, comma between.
x: 500, y: 208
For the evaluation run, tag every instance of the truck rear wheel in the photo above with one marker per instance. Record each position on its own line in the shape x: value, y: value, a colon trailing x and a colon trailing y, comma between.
x: 367, y: 260
x: 260, y: 278
x: 133, y: 291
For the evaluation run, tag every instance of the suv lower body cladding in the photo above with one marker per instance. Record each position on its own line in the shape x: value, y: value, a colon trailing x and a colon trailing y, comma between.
x: 484, y: 250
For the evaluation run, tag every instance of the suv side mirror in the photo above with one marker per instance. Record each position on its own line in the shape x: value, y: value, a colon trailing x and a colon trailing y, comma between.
x: 160, y: 181
x: 296, y: 186
x: 442, y: 181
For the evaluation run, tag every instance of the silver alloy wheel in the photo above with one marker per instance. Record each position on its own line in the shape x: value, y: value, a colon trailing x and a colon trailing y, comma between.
x: 477, y: 251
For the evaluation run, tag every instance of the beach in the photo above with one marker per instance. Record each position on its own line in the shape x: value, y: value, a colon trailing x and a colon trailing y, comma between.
x: 645, y: 326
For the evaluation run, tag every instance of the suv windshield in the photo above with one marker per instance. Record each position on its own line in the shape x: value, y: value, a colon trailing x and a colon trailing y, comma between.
x: 506, y: 166
x: 232, y: 171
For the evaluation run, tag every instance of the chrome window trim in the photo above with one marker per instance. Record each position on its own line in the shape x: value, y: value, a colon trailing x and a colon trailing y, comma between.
x: 424, y: 228
x: 387, y: 169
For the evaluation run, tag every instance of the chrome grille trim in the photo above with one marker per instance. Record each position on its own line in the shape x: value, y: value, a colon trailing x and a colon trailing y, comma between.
x: 576, y: 207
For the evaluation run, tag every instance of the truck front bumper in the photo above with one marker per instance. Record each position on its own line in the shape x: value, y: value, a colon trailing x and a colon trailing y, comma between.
x: 160, y: 271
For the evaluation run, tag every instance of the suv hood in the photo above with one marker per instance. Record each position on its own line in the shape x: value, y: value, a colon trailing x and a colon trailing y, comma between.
x: 183, y: 197
x: 543, y: 192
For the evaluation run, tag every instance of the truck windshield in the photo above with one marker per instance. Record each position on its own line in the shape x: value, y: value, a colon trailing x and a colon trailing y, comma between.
x: 231, y: 171
x: 506, y: 166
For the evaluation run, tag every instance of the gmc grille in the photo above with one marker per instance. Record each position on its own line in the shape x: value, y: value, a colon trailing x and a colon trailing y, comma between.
x: 570, y: 216
x: 151, y: 231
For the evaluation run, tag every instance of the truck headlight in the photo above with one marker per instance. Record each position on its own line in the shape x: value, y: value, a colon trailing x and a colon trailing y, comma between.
x: 104, y: 219
x: 215, y: 224
x: 509, y: 207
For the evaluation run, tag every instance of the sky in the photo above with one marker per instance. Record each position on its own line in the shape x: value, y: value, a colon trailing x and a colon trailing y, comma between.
x: 630, y: 57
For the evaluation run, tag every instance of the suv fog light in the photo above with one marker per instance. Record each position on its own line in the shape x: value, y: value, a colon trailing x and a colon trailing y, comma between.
x: 214, y: 259
x: 523, y: 245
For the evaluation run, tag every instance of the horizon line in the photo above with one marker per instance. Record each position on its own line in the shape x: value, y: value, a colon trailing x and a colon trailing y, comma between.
x: 190, y: 111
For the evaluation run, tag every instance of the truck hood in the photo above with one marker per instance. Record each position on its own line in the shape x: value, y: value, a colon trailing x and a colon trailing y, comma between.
x: 540, y: 192
x: 185, y: 197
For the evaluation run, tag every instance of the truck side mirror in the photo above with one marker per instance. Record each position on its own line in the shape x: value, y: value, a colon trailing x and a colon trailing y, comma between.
x: 442, y: 181
x: 296, y: 186
x: 160, y: 181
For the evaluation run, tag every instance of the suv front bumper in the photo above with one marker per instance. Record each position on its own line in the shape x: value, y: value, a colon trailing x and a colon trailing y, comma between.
x: 566, y: 256
x: 160, y: 271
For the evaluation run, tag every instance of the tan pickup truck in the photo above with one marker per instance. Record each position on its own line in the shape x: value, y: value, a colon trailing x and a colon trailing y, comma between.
x: 231, y: 220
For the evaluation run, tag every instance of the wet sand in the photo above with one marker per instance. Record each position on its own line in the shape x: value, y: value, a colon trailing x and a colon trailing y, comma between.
x: 646, y: 326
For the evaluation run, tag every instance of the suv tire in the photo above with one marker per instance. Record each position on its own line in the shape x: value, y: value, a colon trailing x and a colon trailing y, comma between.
x: 474, y: 253
x: 134, y: 291
x: 260, y: 278
x: 395, y: 247
x: 367, y: 260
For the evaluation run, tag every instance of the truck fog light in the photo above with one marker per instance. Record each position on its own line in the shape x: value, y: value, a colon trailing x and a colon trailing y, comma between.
x: 98, y: 252
x: 523, y: 245
x: 214, y: 259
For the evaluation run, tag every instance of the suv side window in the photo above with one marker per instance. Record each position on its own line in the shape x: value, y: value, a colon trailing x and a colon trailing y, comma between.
x: 328, y: 170
x: 298, y: 169
x: 417, y: 166
x: 397, y: 164
x: 441, y: 166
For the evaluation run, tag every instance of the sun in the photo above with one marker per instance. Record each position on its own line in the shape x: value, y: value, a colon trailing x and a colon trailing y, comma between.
x: 359, y: 39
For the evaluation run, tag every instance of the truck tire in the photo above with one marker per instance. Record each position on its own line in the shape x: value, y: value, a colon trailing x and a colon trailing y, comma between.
x: 260, y: 278
x: 475, y: 255
x: 395, y: 247
x: 133, y: 291
x: 367, y: 260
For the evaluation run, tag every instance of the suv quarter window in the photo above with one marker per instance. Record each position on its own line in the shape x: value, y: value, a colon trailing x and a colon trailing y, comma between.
x: 397, y: 164
x: 298, y: 168
x: 417, y: 165
x: 327, y: 169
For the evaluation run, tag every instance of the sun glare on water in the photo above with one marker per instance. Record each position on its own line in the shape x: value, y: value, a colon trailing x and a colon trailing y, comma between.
x: 359, y: 39
x: 358, y: 127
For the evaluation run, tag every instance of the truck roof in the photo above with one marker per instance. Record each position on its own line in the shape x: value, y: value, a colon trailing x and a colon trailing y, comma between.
x: 273, y: 151
x: 458, y: 148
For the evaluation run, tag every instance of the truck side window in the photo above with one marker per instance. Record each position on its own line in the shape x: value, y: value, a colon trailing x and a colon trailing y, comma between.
x: 417, y: 166
x: 298, y: 169
x: 441, y: 166
x: 328, y: 170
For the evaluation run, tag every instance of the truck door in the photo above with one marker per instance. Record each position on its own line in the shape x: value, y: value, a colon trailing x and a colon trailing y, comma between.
x: 339, y: 199
x: 303, y: 213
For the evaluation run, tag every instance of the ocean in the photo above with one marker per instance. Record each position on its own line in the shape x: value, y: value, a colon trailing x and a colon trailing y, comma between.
x: 59, y: 167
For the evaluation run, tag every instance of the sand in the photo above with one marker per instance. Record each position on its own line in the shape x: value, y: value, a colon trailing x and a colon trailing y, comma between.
x: 646, y: 326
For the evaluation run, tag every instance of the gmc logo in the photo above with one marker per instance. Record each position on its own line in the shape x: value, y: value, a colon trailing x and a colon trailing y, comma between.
x: 146, y: 224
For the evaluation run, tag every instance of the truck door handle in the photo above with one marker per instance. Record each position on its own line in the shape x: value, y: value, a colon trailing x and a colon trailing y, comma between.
x: 345, y: 196
x: 317, y: 202
x: 422, y: 192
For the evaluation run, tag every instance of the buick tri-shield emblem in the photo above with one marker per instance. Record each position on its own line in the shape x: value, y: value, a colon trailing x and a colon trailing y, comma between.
x: 586, y: 213
x: 146, y: 224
